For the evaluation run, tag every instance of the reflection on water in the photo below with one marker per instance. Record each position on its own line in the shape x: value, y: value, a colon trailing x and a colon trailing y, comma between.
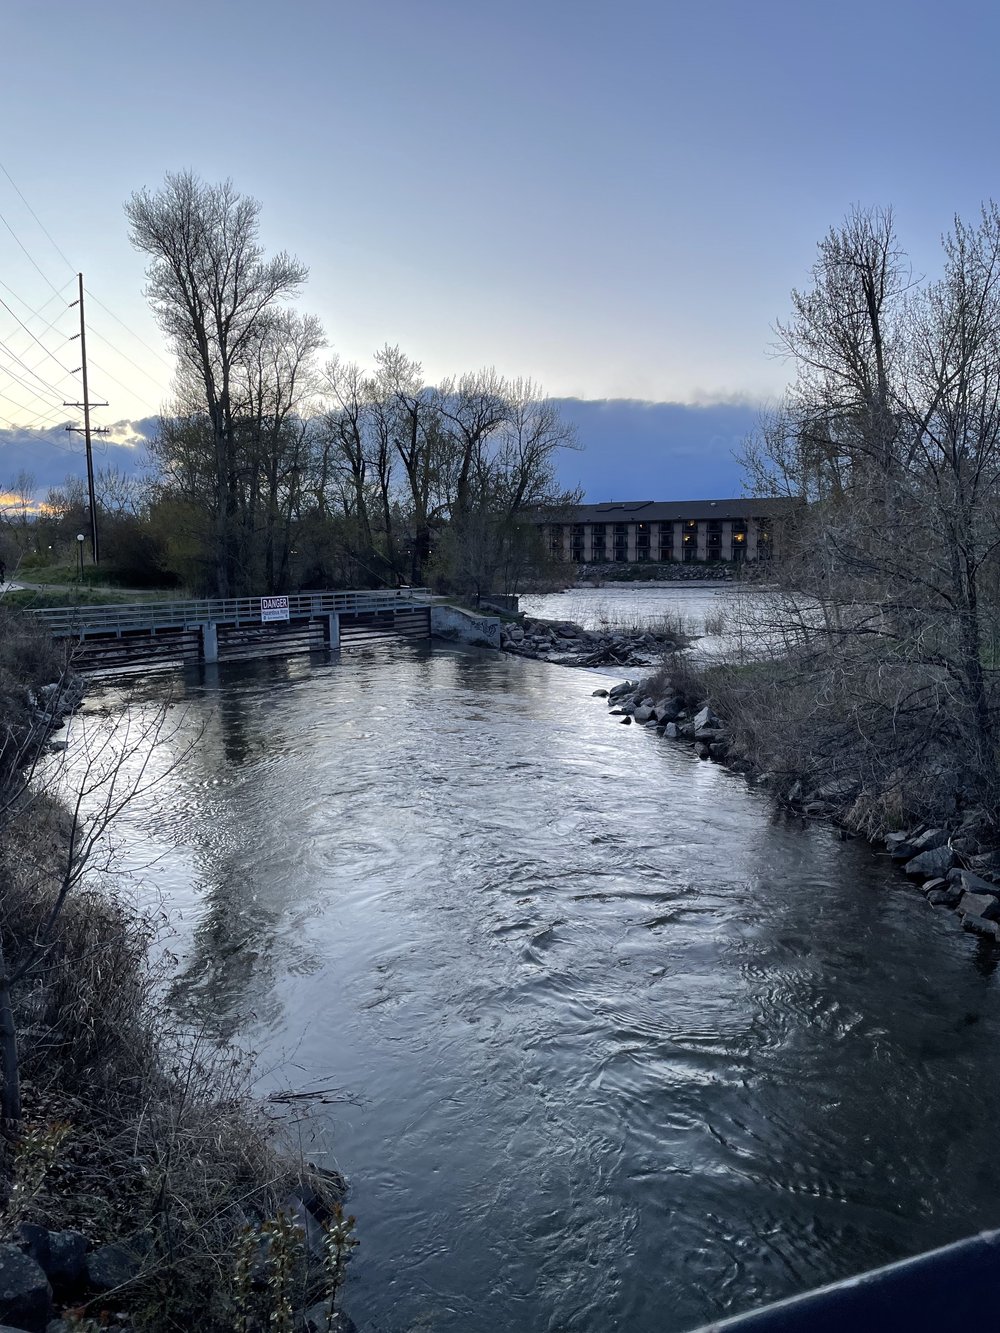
x: 618, y: 1048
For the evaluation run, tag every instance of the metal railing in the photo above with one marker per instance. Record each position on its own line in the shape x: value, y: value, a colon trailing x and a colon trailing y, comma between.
x: 119, y: 617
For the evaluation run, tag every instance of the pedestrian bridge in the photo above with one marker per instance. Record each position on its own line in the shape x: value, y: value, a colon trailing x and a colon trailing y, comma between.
x: 233, y: 628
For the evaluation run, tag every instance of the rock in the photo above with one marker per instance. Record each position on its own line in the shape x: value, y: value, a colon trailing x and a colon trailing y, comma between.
x: 67, y: 1264
x: 979, y: 904
x: 34, y: 1240
x: 643, y: 714
x: 702, y: 751
x: 25, y: 1294
x: 599, y: 694
x: 667, y: 710
x: 317, y: 1319
x: 900, y: 846
x: 943, y: 897
x: 626, y: 721
x: 980, y: 925
x: 817, y: 808
x: 703, y: 720
x: 616, y: 691
x: 930, y: 885
x: 110, y: 1267
x: 670, y: 731
x: 970, y: 883
x: 937, y: 861
x: 313, y: 1233
x: 933, y: 837
x: 718, y: 750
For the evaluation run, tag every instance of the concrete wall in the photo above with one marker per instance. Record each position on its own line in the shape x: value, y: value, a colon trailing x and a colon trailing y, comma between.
x: 450, y: 622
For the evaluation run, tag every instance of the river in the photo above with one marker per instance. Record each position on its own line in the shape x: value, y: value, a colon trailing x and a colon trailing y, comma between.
x: 611, y: 1045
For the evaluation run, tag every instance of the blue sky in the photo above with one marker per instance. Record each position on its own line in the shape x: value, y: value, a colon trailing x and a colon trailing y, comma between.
x: 613, y: 198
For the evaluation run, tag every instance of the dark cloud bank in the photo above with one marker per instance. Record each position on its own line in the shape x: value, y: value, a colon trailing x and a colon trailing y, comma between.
x: 630, y: 450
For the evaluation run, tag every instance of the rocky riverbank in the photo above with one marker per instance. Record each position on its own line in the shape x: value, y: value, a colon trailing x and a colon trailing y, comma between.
x: 955, y: 861
x: 566, y: 644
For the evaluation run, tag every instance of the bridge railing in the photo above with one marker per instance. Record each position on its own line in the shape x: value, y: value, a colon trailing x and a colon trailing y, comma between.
x: 118, y: 617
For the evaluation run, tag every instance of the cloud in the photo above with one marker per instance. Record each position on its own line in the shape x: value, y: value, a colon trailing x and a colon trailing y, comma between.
x: 50, y: 456
x: 633, y: 449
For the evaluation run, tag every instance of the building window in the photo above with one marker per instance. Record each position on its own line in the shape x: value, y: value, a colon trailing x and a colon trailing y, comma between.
x: 597, y: 529
x: 621, y: 554
x: 666, y: 553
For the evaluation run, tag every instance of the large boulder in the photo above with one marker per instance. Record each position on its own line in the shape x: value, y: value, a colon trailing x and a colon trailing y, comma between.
x: 937, y: 861
x: 67, y: 1264
x: 617, y: 691
x: 112, y: 1266
x: 933, y: 837
x: 643, y: 714
x: 979, y: 904
x: 947, y: 897
x: 981, y: 925
x: 970, y: 883
x: 667, y: 710
x: 25, y: 1294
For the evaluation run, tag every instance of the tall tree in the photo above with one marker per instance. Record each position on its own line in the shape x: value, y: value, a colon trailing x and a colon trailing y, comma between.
x: 212, y: 290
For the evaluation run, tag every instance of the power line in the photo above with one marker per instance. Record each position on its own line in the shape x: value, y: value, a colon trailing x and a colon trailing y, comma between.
x: 158, y: 356
x: 48, y: 392
x: 39, y: 416
x: 108, y: 375
x: 24, y: 326
x: 118, y: 352
x: 31, y: 261
x: 57, y: 292
x: 36, y: 217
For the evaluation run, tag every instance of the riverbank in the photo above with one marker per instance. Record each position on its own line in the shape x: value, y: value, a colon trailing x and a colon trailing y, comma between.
x: 951, y: 854
x: 142, y: 1183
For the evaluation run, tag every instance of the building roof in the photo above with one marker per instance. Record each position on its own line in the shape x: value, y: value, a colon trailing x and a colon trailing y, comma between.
x: 654, y: 511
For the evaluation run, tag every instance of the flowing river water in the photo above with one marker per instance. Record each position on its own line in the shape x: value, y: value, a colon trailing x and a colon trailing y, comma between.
x: 611, y: 1045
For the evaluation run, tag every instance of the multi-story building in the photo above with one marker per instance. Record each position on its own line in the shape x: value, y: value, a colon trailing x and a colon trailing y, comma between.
x: 632, y: 531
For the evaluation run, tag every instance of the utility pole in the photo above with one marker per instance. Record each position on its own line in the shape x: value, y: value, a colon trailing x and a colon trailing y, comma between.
x: 86, y: 431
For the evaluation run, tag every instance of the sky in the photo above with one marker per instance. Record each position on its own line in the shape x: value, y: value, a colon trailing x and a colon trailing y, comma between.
x: 613, y: 197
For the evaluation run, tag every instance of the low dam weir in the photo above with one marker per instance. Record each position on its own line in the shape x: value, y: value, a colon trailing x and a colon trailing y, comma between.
x: 235, y: 628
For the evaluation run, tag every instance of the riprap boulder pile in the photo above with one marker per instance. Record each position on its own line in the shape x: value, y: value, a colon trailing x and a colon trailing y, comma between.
x: 566, y: 644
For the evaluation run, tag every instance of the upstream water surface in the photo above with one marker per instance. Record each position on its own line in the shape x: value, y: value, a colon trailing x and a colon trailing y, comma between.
x: 611, y: 1046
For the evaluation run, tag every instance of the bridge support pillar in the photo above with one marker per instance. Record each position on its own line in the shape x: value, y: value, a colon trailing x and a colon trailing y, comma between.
x: 333, y: 630
x: 209, y: 642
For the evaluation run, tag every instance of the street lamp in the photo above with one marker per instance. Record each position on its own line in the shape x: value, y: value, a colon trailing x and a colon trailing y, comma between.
x: 80, y: 539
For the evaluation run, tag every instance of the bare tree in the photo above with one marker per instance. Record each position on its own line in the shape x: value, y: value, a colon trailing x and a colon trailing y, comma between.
x: 891, y: 432
x: 212, y: 290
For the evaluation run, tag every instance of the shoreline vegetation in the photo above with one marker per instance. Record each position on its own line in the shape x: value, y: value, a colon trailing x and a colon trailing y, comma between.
x: 144, y: 1187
